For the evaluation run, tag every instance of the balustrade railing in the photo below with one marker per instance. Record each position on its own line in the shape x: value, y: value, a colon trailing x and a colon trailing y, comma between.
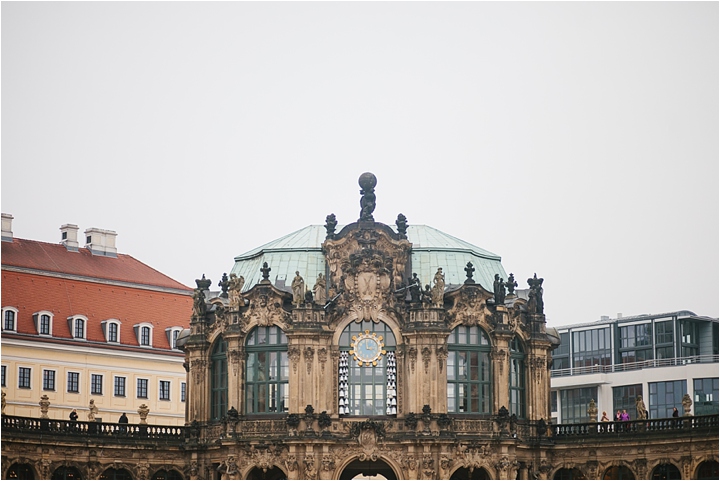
x: 91, y: 428
x: 634, y: 366
x: 614, y: 428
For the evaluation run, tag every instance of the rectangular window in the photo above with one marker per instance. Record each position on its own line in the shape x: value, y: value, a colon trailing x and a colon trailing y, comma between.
x: 145, y: 336
x: 73, y: 382
x: 3, y: 380
x: 119, y: 386
x: 664, y: 332
x: 574, y: 404
x: 590, y: 348
x: 142, y: 388
x: 705, y: 396
x: 624, y: 399
x: 24, y: 377
x: 45, y: 324
x: 175, y: 334
x: 112, y: 332
x: 79, y: 329
x: 664, y: 396
x: 183, y: 389
x: 96, y: 381
x: 164, y: 390
x: 9, y: 324
x: 48, y: 380
x: 553, y: 401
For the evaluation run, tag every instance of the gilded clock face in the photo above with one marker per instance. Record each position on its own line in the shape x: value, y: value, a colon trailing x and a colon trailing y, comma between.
x: 367, y: 348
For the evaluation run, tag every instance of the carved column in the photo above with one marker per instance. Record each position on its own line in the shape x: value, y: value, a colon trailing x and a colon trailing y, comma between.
x: 501, y: 361
x: 236, y: 367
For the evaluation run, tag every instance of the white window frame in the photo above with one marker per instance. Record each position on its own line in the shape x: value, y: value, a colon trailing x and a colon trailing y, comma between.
x: 138, y: 333
x: 170, y: 332
x: 160, y: 390
x: 29, y: 386
x: 106, y: 330
x: 92, y: 384
x: 67, y: 382
x: 15, y: 311
x: 54, y: 388
x: 115, y: 378
x: 37, y: 317
x: 72, y: 322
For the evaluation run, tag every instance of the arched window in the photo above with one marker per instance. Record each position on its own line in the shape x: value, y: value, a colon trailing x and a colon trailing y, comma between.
x: 267, y: 372
x: 9, y: 315
x: 517, y: 378
x: 218, y: 379
x: 367, y: 376
x: 468, y: 371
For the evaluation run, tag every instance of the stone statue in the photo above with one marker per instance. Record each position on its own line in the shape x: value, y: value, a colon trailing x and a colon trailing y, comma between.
x: 368, y: 182
x: 223, y: 285
x: 438, y: 289
x: 265, y: 269
x: 199, y: 307
x: 330, y: 225
x: 319, y: 290
x: 298, y: 289
x: 641, y: 413
x: 235, y: 284
x: 44, y: 405
x: 4, y: 403
x: 93, y: 410
x: 511, y: 284
x: 499, y: 290
x: 401, y: 224
x: 536, y: 292
x: 415, y: 288
x: 686, y: 402
x: 592, y: 411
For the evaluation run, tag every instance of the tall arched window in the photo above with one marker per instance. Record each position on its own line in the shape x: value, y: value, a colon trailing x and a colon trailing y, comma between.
x: 218, y: 379
x: 468, y: 371
x: 517, y: 378
x: 367, y: 374
x: 266, y: 380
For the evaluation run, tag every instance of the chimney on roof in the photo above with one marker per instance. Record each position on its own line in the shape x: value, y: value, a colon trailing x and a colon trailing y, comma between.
x: 101, y: 242
x: 619, y: 315
x: 68, y: 237
x: 7, y: 234
x: 604, y: 318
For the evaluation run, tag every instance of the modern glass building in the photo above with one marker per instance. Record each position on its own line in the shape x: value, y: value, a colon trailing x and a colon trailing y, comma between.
x: 660, y: 357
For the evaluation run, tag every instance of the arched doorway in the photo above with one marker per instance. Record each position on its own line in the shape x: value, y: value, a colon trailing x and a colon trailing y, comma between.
x: 66, y: 472
x: 707, y: 470
x: 112, y: 473
x: 272, y: 473
x: 618, y: 472
x: 569, y: 473
x: 20, y: 471
x: 470, y: 473
x: 368, y: 470
x: 666, y: 471
x: 163, y: 474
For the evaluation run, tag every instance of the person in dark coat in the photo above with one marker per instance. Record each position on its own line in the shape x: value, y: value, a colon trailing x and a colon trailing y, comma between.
x: 123, y: 420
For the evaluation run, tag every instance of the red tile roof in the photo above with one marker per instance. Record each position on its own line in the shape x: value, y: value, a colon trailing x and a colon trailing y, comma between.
x: 30, y: 292
x: 56, y: 258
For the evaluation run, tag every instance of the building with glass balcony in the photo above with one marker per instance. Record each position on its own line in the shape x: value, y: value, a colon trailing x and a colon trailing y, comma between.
x: 657, y: 356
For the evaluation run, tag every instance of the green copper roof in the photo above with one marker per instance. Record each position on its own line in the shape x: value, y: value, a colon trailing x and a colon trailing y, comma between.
x: 301, y: 251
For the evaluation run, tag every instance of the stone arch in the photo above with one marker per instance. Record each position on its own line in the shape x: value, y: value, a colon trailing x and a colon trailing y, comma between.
x: 274, y: 472
x: 167, y: 473
x: 619, y: 470
x: 116, y: 471
x: 707, y: 468
x: 62, y: 471
x: 476, y: 472
x: 20, y: 469
x: 382, y: 317
x: 665, y: 470
x: 569, y: 473
x: 392, y: 464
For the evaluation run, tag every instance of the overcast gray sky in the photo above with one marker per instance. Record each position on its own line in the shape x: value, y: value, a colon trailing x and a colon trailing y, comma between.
x: 575, y: 140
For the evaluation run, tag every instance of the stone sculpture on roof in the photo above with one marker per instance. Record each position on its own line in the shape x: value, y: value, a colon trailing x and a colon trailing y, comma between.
x: 368, y: 182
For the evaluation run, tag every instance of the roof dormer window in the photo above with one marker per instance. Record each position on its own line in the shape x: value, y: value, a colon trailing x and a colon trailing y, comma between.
x: 9, y: 319
x: 172, y: 335
x: 143, y: 333
x: 43, y: 322
x: 111, y: 330
x: 78, y: 327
